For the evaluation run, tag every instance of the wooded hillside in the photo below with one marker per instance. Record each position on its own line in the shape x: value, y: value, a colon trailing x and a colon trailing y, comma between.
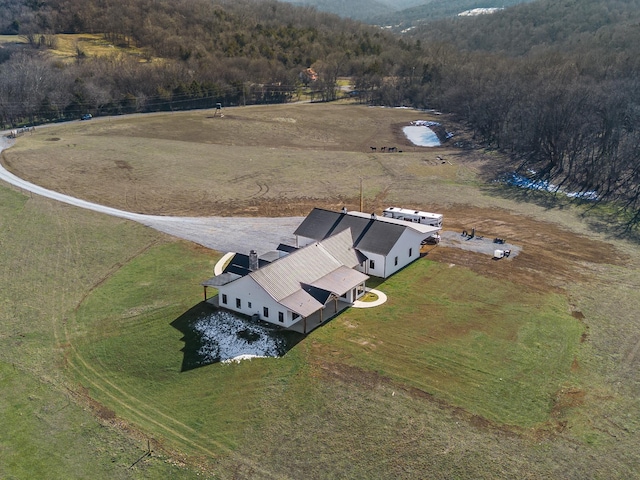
x: 189, y: 53
x: 553, y: 82
x: 432, y: 10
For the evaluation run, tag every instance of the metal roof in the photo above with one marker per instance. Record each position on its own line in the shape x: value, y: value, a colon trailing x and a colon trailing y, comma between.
x: 340, y: 246
x: 309, y: 265
x: 239, y: 264
x: 221, y: 279
x: 302, y: 303
x: 369, y: 233
x: 341, y: 280
x: 418, y: 227
x: 283, y: 247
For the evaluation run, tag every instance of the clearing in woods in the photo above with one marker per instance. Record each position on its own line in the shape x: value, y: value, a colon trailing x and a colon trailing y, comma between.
x: 485, y: 368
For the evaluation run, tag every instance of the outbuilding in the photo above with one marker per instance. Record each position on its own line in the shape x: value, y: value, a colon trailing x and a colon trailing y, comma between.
x: 387, y: 244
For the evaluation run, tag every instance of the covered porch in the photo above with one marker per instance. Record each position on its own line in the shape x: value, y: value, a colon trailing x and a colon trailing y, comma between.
x: 313, y: 321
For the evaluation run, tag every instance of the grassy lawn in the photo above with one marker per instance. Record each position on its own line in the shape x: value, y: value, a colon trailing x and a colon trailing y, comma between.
x: 478, y: 343
x: 49, y: 261
x: 449, y: 349
x: 480, y: 348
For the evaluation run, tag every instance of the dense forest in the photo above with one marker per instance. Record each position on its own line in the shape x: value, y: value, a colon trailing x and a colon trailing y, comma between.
x: 553, y: 83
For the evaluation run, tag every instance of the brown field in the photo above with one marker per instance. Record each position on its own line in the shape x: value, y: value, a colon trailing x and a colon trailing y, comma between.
x: 285, y: 160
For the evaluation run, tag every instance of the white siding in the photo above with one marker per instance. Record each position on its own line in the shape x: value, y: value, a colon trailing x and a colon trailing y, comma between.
x: 247, y: 290
x: 378, y: 264
x: 408, y: 241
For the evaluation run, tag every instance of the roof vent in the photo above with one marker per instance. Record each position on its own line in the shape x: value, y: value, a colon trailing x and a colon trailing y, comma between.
x: 373, y: 216
x: 344, y: 209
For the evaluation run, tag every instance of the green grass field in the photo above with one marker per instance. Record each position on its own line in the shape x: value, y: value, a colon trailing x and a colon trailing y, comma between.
x: 461, y: 374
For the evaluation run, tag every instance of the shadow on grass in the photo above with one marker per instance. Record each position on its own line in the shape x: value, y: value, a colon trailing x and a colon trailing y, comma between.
x: 212, y: 335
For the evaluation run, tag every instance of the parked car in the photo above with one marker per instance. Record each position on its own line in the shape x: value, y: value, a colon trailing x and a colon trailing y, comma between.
x: 86, y: 116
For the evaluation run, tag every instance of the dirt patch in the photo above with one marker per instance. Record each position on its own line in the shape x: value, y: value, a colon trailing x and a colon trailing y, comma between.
x: 99, y: 410
x: 567, y: 399
x: 123, y: 164
x: 551, y: 258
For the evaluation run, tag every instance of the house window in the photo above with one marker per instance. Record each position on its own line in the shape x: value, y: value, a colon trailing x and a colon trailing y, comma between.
x: 372, y: 264
x: 238, y: 303
x: 410, y: 251
x: 281, y: 317
x: 224, y: 298
x: 395, y: 261
x: 248, y: 304
x: 265, y: 312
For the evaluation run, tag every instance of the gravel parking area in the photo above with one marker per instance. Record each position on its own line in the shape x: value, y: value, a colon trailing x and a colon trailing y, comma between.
x: 477, y: 244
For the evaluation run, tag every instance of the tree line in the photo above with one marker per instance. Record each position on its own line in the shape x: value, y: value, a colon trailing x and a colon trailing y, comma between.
x: 234, y: 52
x: 552, y: 83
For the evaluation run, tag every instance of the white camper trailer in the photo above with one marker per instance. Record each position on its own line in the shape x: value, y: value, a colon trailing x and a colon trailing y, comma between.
x: 414, y: 216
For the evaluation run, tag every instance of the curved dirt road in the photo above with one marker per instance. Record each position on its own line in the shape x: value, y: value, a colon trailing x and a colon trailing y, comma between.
x: 225, y: 234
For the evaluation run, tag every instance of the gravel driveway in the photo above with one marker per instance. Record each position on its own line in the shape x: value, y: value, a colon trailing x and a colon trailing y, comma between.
x: 230, y: 234
x: 225, y: 234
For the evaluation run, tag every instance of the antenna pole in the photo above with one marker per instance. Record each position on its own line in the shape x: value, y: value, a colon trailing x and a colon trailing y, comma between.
x: 361, y: 198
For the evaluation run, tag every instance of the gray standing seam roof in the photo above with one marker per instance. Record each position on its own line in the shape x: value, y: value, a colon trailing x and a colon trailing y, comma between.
x: 285, y: 276
x: 368, y: 234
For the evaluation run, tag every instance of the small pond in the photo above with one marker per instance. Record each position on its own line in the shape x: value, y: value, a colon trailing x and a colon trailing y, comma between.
x: 421, y: 135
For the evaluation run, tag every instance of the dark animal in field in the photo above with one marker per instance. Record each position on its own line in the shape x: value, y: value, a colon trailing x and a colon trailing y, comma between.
x: 373, y: 149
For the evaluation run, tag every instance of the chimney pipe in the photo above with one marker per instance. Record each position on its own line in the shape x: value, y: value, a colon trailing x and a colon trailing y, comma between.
x: 253, y: 260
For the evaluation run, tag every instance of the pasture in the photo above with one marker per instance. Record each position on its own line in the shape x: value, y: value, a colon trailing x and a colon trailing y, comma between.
x: 68, y: 46
x: 473, y: 368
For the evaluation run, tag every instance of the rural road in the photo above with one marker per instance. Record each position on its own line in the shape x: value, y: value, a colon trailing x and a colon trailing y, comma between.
x: 225, y: 234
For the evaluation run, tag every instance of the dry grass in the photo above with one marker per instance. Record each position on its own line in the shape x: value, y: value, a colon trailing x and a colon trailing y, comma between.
x: 258, y: 160
x: 68, y: 45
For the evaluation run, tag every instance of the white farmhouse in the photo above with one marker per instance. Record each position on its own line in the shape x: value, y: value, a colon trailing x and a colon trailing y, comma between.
x: 300, y: 287
x: 305, y: 287
x: 388, y: 244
